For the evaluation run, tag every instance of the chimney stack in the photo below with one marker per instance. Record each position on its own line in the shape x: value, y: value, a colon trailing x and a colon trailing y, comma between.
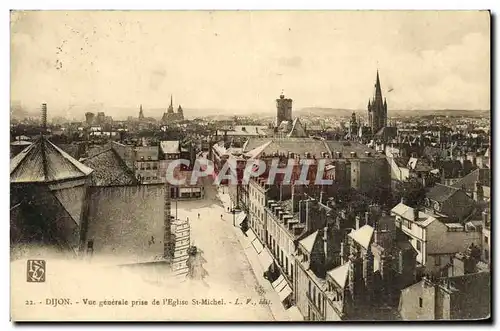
x: 415, y: 213
x: 325, y: 242
x: 367, y: 217
x: 357, y: 222
x: 44, y: 116
x: 342, y: 259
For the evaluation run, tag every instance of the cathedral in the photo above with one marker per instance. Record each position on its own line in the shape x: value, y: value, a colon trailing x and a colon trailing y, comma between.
x: 170, y: 115
x: 377, y: 110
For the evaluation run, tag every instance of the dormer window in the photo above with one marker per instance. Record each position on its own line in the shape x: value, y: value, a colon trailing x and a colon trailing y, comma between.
x: 427, y: 202
x: 437, y: 206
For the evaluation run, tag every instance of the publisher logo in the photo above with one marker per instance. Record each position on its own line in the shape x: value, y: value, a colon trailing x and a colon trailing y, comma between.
x: 36, y: 271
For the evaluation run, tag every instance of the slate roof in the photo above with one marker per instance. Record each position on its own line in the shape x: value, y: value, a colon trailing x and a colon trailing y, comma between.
x: 308, y: 242
x: 297, y: 130
x: 109, y: 169
x: 346, y: 147
x: 339, y: 274
x: 441, y: 193
x: 363, y: 235
x: 299, y: 146
x: 483, y: 176
x: 45, y: 162
x: 387, y: 132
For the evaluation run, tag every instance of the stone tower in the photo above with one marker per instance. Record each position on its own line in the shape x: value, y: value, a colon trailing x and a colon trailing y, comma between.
x: 284, y: 109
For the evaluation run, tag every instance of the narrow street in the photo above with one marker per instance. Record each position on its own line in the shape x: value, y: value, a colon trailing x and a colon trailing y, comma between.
x: 226, y: 264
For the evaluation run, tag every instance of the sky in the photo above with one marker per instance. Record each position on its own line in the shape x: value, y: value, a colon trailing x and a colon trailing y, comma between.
x: 243, y: 60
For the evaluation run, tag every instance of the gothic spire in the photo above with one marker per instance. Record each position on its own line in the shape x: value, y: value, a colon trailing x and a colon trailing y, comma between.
x: 378, y: 89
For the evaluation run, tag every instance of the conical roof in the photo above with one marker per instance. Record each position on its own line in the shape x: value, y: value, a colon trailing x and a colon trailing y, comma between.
x: 45, y: 162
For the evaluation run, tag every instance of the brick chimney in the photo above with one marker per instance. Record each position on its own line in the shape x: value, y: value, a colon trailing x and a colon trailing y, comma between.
x: 44, y: 117
x: 415, y: 213
x: 357, y: 222
x: 479, y: 192
x: 367, y: 217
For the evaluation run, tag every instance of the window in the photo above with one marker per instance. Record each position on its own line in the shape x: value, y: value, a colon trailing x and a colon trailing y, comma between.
x: 486, y: 255
x: 309, y: 292
x: 420, y: 302
x: 419, y: 246
x: 486, y: 240
x: 437, y: 260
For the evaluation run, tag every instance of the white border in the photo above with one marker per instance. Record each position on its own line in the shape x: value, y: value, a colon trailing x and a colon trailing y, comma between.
x: 183, y: 5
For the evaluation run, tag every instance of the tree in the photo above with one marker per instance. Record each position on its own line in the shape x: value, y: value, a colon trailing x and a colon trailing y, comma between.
x: 411, y: 190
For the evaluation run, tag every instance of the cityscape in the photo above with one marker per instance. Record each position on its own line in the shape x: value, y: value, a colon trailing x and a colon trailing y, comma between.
x: 393, y: 223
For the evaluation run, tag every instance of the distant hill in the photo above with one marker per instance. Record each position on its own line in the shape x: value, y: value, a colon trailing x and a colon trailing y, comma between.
x: 336, y: 112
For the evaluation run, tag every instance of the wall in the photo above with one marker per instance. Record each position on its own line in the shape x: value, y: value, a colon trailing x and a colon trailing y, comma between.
x: 410, y: 308
x: 301, y: 288
x: 123, y: 219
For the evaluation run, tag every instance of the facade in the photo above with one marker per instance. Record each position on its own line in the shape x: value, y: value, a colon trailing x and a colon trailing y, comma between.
x: 147, y: 164
x: 436, y: 242
x: 464, y: 297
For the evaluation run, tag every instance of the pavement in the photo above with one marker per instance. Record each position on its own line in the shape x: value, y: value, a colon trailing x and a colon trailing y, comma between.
x: 232, y: 264
x: 279, y: 312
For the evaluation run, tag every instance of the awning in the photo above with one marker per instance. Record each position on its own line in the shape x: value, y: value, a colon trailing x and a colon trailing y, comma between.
x: 278, y: 281
x: 265, y: 258
x: 250, y: 235
x: 257, y: 245
x: 282, y: 288
x: 285, y: 293
x: 240, y: 217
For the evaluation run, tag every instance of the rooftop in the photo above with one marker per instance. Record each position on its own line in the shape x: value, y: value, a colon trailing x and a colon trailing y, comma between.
x: 363, y: 235
x: 441, y: 193
x: 45, y: 162
x: 170, y: 147
x: 339, y: 274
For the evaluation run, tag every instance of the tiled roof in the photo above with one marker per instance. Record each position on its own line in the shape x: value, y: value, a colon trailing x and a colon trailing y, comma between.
x: 298, y: 146
x: 109, y: 169
x: 483, y: 176
x: 297, y: 130
x: 339, y: 274
x: 363, y: 235
x: 45, y: 162
x: 441, y: 193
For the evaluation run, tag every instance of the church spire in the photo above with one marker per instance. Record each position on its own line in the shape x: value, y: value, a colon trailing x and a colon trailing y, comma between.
x: 171, y: 107
x: 141, y: 113
x: 378, y: 89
